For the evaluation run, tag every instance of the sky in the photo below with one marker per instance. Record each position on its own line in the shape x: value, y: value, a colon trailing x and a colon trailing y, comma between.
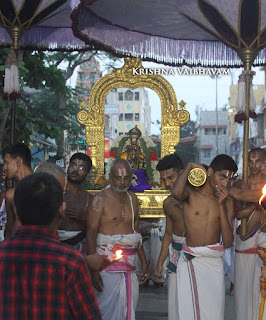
x: 199, y: 90
x: 195, y: 90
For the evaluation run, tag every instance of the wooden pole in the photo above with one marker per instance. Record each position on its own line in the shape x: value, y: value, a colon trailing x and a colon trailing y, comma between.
x: 13, y: 122
x: 247, y: 56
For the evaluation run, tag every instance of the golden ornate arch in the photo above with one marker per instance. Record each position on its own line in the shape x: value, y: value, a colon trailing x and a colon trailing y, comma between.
x: 132, y: 75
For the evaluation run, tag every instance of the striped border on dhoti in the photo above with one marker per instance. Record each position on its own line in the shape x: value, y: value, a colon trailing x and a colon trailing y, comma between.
x: 129, y: 293
x: 194, y: 290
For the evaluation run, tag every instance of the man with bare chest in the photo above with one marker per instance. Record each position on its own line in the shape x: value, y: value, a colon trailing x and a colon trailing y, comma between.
x: 170, y: 168
x: 73, y: 228
x: 112, y: 226
x: 247, y: 270
x: 255, y: 181
x: 207, y: 220
x: 17, y: 160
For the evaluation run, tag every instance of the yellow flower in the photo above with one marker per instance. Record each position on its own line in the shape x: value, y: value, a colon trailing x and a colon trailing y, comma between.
x: 123, y: 155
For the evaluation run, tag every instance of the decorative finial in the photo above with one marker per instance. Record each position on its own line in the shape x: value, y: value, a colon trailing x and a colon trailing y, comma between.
x: 182, y: 104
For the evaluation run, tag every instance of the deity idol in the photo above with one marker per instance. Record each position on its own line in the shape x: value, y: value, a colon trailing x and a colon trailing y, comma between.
x: 135, y: 157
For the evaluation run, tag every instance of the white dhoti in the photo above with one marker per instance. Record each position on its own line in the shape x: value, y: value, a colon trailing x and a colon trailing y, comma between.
x: 247, y: 274
x: 152, y: 234
x: 200, y: 283
x: 261, y: 243
x: 118, y: 300
x: 76, y: 239
x: 229, y: 255
x: 2, y: 220
x: 175, y: 249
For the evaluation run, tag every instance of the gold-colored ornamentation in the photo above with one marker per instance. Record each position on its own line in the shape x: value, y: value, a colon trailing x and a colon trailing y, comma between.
x: 197, y: 177
x: 84, y: 105
x: 150, y: 202
x: 182, y: 104
x: 172, y: 116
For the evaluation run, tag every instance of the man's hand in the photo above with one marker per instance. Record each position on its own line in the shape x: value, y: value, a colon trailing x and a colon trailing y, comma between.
x: 97, y: 281
x: 158, y: 271
x: 97, y: 262
x: 221, y: 194
x: 197, y: 165
x: 145, y: 274
x: 263, y: 203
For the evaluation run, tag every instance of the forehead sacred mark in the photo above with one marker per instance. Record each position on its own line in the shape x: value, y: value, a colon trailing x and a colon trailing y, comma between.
x: 122, y: 172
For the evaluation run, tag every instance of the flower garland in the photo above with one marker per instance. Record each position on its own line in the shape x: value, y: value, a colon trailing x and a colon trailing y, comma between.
x: 241, y: 98
x: 150, y: 157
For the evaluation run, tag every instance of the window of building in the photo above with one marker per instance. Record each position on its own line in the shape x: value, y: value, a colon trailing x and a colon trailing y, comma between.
x: 136, y: 95
x: 221, y: 131
x: 206, y: 153
x: 120, y: 96
x: 121, y: 133
x: 115, y: 130
x: 121, y: 117
x: 136, y: 116
x: 128, y: 116
x: 114, y: 90
x: 129, y: 95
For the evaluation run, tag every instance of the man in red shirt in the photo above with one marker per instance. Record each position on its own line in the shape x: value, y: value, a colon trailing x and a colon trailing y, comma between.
x: 41, y: 277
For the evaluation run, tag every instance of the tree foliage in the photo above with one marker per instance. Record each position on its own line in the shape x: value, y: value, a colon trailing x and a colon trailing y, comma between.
x: 47, y: 106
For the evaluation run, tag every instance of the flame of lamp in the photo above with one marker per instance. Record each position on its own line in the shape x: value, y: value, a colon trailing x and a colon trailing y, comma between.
x: 263, y: 194
x: 118, y: 254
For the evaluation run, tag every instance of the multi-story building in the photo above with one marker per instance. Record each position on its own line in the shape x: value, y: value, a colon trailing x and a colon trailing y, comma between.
x: 126, y: 108
x: 89, y: 72
x: 207, y: 138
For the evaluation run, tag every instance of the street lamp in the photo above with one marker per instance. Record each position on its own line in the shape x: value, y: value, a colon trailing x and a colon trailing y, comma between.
x: 216, y: 109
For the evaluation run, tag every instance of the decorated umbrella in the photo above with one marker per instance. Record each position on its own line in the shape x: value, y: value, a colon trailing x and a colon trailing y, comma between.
x: 43, y: 24
x: 176, y: 32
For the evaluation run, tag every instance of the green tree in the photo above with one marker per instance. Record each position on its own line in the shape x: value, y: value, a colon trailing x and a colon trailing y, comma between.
x: 47, y: 105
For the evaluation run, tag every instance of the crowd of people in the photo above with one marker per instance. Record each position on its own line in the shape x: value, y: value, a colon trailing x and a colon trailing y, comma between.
x: 58, y: 259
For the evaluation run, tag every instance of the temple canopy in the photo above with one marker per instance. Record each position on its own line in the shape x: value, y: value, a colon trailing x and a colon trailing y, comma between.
x: 42, y: 24
x: 175, y: 32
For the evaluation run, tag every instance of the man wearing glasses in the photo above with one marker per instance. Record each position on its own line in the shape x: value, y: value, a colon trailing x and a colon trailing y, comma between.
x: 73, y: 228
